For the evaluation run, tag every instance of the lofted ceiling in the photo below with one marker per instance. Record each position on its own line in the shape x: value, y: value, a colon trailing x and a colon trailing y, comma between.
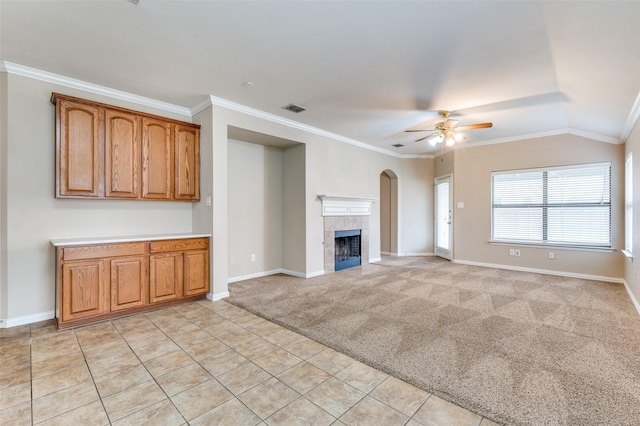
x: 364, y: 70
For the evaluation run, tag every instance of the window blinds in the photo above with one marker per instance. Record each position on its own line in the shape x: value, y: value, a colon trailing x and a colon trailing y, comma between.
x: 556, y: 205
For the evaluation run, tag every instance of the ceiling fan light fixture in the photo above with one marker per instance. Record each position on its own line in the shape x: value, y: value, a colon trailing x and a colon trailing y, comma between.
x: 450, y: 141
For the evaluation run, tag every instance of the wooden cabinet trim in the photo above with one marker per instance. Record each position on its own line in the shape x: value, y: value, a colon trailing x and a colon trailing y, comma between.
x: 103, y: 251
x: 55, y: 97
x: 179, y: 244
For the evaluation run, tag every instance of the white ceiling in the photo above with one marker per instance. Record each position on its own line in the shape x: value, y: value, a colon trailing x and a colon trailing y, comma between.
x: 364, y: 70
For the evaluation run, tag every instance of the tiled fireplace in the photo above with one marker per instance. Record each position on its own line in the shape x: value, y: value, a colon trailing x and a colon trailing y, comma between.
x: 345, y: 214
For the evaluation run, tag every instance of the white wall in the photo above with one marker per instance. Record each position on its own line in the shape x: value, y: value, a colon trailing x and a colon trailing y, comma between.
x: 33, y: 216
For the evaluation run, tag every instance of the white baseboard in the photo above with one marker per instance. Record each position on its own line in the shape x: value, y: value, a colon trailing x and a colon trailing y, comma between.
x: 385, y: 253
x: 217, y: 296
x: 251, y: 276
x: 26, y: 319
x: 542, y: 271
x: 416, y: 254
x: 631, y: 296
x: 273, y: 272
x: 375, y: 259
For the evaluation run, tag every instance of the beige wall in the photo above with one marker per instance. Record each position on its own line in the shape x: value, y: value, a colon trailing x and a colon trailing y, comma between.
x: 4, y: 144
x: 294, y: 240
x: 632, y: 268
x: 33, y: 216
x: 254, y: 208
x: 472, y: 185
x: 324, y: 166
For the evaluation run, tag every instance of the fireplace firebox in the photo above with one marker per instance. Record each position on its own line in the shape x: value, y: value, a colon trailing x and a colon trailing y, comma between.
x: 347, y: 249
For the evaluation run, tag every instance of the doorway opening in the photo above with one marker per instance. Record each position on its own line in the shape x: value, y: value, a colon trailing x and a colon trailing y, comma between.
x: 443, y: 217
x: 388, y: 213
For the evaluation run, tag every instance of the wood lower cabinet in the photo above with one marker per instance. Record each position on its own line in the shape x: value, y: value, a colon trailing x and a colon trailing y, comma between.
x: 95, y: 282
x: 129, y: 282
x: 196, y: 272
x: 85, y: 287
x: 165, y: 277
x: 180, y: 268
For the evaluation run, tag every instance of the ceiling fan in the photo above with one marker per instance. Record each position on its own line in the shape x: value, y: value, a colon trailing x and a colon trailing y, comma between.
x: 448, y: 131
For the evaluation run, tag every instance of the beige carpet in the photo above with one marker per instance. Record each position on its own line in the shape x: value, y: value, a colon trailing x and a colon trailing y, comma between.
x: 518, y: 348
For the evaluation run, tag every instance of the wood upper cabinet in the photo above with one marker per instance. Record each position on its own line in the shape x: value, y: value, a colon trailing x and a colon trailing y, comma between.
x: 79, y: 147
x: 108, y: 152
x: 187, y: 162
x: 122, y: 154
x: 157, y: 159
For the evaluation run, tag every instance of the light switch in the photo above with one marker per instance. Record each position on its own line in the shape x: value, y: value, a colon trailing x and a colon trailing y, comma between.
x: 207, y: 200
x: 461, y: 204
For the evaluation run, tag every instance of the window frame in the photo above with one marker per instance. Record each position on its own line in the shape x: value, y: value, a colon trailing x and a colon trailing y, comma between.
x: 545, y: 206
x: 628, y: 205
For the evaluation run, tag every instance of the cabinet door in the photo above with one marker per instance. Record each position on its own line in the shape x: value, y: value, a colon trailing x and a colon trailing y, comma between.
x: 187, y: 163
x: 165, y: 281
x: 84, y: 289
x: 79, y: 133
x: 196, y: 272
x: 128, y: 282
x: 157, y: 159
x: 122, y: 154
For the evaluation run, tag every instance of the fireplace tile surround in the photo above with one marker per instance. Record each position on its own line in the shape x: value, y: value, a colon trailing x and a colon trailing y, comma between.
x: 344, y: 223
x: 342, y: 213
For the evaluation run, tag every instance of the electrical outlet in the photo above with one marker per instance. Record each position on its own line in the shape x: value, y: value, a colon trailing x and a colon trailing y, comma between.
x: 207, y: 200
x: 552, y: 255
x: 517, y: 252
x: 512, y: 252
x: 253, y: 257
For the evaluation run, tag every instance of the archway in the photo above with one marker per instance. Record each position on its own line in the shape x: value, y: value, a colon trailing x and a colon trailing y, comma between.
x: 388, y: 213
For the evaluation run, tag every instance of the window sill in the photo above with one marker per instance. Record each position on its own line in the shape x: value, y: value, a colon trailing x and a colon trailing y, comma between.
x: 628, y: 255
x: 554, y: 246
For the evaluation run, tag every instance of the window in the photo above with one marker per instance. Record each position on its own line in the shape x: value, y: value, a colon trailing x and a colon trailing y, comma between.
x: 628, y: 204
x: 569, y: 206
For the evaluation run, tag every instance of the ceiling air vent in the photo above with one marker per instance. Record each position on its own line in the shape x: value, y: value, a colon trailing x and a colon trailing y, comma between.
x: 294, y: 108
x: 398, y: 145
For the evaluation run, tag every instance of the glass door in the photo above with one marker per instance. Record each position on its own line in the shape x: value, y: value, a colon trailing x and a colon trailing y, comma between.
x: 443, y: 217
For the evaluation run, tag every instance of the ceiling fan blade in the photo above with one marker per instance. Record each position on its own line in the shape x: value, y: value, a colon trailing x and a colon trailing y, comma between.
x: 421, y: 139
x: 475, y: 126
x: 420, y: 130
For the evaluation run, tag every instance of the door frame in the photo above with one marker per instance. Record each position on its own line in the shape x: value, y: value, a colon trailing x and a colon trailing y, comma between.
x: 444, y: 253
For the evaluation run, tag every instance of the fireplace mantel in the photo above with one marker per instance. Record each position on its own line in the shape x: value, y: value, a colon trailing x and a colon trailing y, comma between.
x: 337, y: 205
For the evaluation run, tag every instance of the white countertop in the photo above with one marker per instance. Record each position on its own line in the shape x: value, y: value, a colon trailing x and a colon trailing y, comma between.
x: 123, y: 239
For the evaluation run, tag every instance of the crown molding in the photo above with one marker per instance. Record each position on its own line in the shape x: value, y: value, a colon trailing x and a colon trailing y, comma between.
x: 73, y: 83
x: 566, y: 131
x: 216, y: 101
x: 632, y: 119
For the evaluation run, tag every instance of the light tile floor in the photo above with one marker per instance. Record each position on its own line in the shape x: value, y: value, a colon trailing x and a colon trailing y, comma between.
x: 202, y: 363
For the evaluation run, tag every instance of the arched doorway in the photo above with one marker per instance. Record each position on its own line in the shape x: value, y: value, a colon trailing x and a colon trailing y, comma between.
x: 388, y: 213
